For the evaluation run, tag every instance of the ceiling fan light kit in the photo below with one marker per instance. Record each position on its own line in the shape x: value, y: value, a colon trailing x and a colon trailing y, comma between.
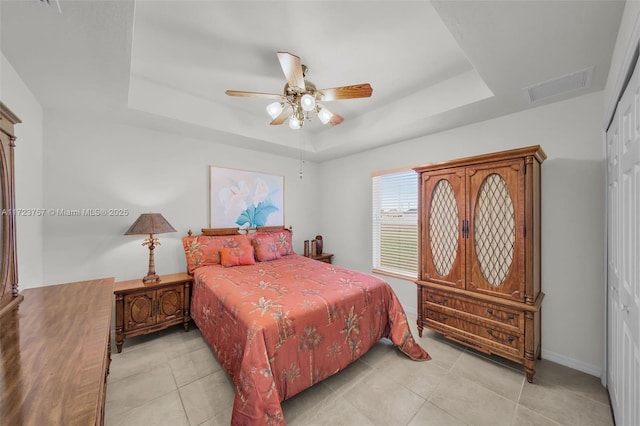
x: 301, y: 97
x: 274, y: 109
x: 294, y: 122
x: 324, y: 115
x: 308, y: 102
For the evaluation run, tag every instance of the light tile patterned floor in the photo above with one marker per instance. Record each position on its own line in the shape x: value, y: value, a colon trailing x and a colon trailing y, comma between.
x: 172, y: 378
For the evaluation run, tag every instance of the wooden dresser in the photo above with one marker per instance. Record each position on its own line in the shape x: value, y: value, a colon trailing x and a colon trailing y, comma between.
x: 479, y: 272
x: 55, y: 354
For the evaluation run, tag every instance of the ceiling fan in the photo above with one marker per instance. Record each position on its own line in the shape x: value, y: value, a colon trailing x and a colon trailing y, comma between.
x: 300, y: 96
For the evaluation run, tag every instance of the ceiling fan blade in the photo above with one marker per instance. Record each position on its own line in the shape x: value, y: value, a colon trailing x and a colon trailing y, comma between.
x: 347, y: 92
x: 336, y: 119
x: 286, y: 113
x: 292, y: 69
x: 253, y: 94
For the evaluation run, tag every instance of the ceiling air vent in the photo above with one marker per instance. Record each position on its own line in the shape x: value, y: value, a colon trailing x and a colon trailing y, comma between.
x: 559, y: 85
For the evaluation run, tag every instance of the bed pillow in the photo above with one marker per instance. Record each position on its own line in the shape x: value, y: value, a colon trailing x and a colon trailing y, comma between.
x: 282, y: 239
x: 265, y: 248
x: 235, y: 256
x: 204, y: 250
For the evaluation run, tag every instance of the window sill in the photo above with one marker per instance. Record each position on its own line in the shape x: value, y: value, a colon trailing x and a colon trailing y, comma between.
x: 395, y: 275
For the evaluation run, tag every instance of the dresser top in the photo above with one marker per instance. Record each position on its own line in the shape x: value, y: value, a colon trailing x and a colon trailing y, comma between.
x: 53, y: 354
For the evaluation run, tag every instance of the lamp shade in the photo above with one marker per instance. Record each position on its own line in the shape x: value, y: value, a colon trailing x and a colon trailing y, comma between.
x: 274, y: 109
x: 307, y: 102
x: 294, y: 123
x: 325, y: 115
x: 150, y: 223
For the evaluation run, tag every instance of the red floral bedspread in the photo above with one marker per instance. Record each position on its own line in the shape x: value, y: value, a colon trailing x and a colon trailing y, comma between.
x: 279, y: 327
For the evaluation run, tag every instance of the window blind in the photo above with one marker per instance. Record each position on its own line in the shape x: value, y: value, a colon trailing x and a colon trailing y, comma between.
x: 395, y: 223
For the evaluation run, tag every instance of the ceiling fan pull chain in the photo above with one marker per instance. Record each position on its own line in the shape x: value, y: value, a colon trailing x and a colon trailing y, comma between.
x: 302, y: 135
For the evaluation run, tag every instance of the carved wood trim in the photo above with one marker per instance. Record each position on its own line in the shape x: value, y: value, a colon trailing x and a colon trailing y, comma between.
x: 532, y: 151
x: 236, y: 231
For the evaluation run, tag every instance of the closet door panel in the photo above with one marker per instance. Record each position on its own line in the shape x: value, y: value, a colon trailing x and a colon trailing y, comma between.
x: 629, y: 284
x: 623, y: 252
x: 613, y: 263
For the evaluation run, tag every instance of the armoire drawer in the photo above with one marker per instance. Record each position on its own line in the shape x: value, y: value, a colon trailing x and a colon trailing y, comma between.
x: 495, y: 337
x: 493, y: 312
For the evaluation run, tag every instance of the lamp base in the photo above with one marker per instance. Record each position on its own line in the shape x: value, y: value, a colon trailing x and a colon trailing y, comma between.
x: 151, y: 278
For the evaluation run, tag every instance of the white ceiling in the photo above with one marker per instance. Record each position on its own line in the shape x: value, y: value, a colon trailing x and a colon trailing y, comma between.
x: 432, y: 65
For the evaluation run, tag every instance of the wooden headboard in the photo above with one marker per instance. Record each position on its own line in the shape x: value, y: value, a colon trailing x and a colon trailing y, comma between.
x: 235, y: 231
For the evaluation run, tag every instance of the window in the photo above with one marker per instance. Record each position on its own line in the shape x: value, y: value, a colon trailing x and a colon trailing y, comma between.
x: 395, y: 223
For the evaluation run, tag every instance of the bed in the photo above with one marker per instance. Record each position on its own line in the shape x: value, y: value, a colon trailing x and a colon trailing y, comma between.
x: 279, y: 322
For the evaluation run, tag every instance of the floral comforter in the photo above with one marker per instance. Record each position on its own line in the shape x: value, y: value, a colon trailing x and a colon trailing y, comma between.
x: 281, y: 326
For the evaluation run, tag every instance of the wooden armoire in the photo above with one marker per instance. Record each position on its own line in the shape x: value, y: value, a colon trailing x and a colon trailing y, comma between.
x: 479, y: 272
x: 9, y: 295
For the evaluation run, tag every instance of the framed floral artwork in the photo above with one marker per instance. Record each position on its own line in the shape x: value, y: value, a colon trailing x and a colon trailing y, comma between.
x: 245, y: 199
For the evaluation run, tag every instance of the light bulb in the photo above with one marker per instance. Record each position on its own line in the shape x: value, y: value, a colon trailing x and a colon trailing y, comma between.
x: 274, y: 109
x: 307, y: 102
x: 325, y: 115
x: 294, y: 123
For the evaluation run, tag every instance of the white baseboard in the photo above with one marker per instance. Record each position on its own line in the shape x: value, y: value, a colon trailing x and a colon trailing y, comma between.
x: 593, y: 370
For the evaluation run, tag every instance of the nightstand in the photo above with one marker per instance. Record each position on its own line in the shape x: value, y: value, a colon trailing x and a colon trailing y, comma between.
x: 144, y: 308
x: 324, y: 257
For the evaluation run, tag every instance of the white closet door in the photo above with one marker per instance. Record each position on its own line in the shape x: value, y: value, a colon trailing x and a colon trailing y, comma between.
x: 613, y: 261
x: 623, y: 152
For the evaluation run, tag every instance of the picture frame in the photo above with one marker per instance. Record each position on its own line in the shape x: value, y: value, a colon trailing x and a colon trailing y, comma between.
x: 245, y: 199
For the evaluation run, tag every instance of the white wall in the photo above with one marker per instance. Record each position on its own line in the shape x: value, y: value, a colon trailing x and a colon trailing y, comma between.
x: 92, y: 163
x: 28, y: 171
x: 572, y: 213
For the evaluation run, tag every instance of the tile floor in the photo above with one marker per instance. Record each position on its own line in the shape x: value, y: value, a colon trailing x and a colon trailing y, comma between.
x: 172, y: 378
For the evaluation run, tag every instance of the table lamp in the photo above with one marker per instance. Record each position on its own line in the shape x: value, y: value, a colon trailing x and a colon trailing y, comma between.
x: 150, y: 223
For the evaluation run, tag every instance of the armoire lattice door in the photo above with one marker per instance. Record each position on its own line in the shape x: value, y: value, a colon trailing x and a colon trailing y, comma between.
x: 479, y: 280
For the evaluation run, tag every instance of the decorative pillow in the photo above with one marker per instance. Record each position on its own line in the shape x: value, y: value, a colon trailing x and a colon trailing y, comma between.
x: 282, y: 239
x: 234, y: 256
x: 204, y: 250
x: 265, y: 248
